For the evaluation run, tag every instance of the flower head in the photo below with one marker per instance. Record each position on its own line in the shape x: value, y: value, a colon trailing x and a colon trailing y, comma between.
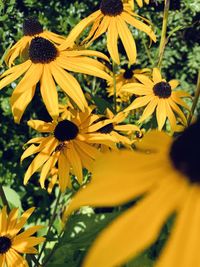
x: 157, y: 93
x: 13, y: 241
x: 113, y: 17
x: 168, y: 178
x: 68, y: 143
x: 31, y: 29
x: 47, y: 64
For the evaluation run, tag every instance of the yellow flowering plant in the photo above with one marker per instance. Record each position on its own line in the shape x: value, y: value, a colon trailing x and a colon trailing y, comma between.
x: 106, y: 136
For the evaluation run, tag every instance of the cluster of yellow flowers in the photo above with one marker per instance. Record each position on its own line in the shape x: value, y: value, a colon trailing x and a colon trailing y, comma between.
x: 77, y: 136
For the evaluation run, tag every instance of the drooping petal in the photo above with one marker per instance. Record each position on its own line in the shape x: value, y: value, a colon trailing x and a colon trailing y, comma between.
x: 75, y: 162
x: 145, y: 80
x: 20, y: 103
x: 161, y: 113
x: 136, y: 88
x: 175, y: 97
x: 148, y: 111
x: 177, y: 110
x: 139, y: 25
x: 15, y: 72
x: 171, y: 116
x: 127, y: 40
x: 40, y: 159
x: 130, y: 234
x: 112, y: 40
x: 63, y: 172
x: 49, y: 92
x: 182, y: 248
x: 69, y: 85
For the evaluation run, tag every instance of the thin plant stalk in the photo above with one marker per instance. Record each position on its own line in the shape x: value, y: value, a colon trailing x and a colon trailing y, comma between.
x: 196, y: 98
x: 114, y: 66
x: 50, y: 223
x: 163, y: 40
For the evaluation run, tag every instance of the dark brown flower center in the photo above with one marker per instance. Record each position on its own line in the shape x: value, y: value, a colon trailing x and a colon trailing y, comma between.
x: 5, y: 244
x: 184, y: 152
x: 31, y: 27
x: 128, y: 74
x: 66, y: 130
x: 42, y: 50
x: 162, y: 90
x: 111, y: 7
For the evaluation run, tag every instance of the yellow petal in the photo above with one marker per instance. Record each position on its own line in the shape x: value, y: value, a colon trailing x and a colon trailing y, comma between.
x: 139, y: 25
x: 127, y: 40
x: 156, y: 75
x: 14, y: 73
x: 40, y: 159
x: 174, y: 83
x: 136, y: 88
x: 148, y: 111
x: 75, y: 162
x: 136, y: 170
x: 3, y: 220
x: 161, y: 113
x: 76, y: 31
x: 49, y: 92
x: 179, y: 101
x: 130, y: 234
x: 41, y: 126
x: 139, y: 102
x: 182, y: 248
x: 63, y: 172
x: 50, y: 163
x: 20, y: 104
x: 112, y: 40
x: 171, y: 116
x: 69, y: 85
x: 177, y: 110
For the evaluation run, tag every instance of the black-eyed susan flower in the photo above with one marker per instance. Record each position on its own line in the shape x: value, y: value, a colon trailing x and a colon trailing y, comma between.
x: 113, y: 17
x: 125, y: 76
x: 168, y: 178
x: 47, y: 64
x: 113, y: 125
x: 157, y: 93
x: 69, y: 143
x: 31, y: 29
x: 14, y: 241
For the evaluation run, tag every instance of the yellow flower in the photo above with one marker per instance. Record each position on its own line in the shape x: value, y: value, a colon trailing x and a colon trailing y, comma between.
x: 113, y: 126
x: 168, y: 179
x: 113, y: 17
x: 139, y: 2
x: 47, y: 63
x: 13, y: 241
x: 125, y: 76
x: 69, y: 142
x: 31, y: 29
x: 157, y: 93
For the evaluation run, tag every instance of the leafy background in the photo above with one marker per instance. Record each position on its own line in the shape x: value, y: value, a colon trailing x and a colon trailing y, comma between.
x: 181, y: 61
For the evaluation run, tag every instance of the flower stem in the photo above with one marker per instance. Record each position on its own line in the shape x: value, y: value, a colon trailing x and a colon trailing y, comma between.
x: 114, y: 66
x: 3, y: 198
x: 163, y: 40
x: 196, y: 98
x: 51, y: 221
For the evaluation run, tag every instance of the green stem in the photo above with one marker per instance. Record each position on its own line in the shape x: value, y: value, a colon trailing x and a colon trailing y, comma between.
x: 3, y: 198
x: 51, y: 221
x: 163, y: 40
x: 114, y: 65
x: 196, y: 98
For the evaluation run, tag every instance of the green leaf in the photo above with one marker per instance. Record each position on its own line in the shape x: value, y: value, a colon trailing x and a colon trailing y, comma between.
x: 12, y: 198
x: 102, y: 104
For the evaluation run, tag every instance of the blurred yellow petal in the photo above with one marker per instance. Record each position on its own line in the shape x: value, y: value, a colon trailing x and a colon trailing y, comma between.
x: 123, y: 238
x: 174, y: 83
